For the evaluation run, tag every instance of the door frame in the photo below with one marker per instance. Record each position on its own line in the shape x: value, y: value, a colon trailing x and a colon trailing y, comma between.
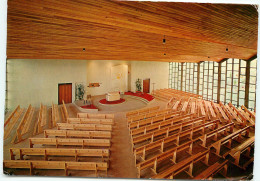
x: 59, y: 90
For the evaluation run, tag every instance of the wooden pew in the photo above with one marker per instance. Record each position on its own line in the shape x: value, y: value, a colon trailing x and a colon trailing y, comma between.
x: 55, y: 118
x: 158, y: 125
x: 247, y: 116
x: 183, y: 165
x: 234, y: 115
x: 142, y: 111
x: 148, y: 115
x: 42, y: 120
x: 244, y: 147
x: 176, y: 137
x: 70, y: 142
x: 176, y: 105
x: 25, y: 123
x: 212, y: 170
x: 249, y: 112
x: 90, y: 121
x: 238, y: 114
x: 11, y: 121
x: 64, y: 111
x: 172, y: 153
x: 56, y: 165
x: 10, y: 117
x: 95, y: 116
x: 228, y: 139
x: 222, y: 113
x: 211, y: 110
x: 77, y: 134
x: 21, y: 152
x: 86, y: 127
x: 165, y: 132
x: 153, y: 120
x: 215, y: 133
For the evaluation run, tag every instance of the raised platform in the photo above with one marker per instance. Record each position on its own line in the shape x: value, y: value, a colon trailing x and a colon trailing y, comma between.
x: 105, y: 102
x: 85, y: 108
x: 142, y: 95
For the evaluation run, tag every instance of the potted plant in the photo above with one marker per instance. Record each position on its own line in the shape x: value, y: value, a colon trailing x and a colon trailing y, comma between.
x: 138, y: 84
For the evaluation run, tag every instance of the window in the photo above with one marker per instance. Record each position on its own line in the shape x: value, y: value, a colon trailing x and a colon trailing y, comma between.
x: 252, y: 85
x: 232, y: 80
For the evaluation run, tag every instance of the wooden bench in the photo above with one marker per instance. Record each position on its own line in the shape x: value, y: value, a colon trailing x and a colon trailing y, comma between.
x: 55, y: 118
x: 246, y: 146
x: 247, y: 116
x: 215, y: 133
x: 56, y: 165
x: 148, y: 115
x: 241, y: 117
x: 11, y: 121
x: 152, y: 120
x: 25, y: 123
x: 77, y: 134
x: 42, y: 120
x: 69, y: 142
x: 172, y: 153
x: 222, y: 113
x: 95, y: 116
x: 21, y: 152
x: 166, y: 131
x: 228, y: 139
x: 252, y: 114
x: 158, y: 125
x: 142, y: 111
x: 176, y: 137
x: 86, y: 127
x: 10, y: 117
x: 212, y: 170
x: 176, y: 105
x: 183, y: 165
x: 64, y: 112
x: 90, y: 121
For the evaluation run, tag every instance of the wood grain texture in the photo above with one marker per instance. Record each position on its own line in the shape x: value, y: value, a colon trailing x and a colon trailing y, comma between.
x: 123, y: 30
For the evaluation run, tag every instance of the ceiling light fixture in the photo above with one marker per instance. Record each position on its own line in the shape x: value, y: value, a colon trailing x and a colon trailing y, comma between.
x: 164, y: 40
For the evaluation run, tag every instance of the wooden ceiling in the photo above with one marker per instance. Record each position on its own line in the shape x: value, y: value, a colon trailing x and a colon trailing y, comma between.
x: 124, y: 30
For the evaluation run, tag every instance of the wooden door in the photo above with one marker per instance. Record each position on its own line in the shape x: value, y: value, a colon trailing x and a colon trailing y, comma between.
x: 146, y: 85
x: 65, y: 93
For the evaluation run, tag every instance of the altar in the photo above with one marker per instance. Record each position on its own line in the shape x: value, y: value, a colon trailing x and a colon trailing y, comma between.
x: 113, y: 96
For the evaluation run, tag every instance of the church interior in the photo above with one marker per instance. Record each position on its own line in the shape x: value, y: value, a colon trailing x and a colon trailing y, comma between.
x: 130, y: 89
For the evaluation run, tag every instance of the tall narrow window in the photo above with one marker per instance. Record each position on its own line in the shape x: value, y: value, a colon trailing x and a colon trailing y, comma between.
x: 223, y: 81
x: 215, y: 81
x: 242, y: 83
x: 252, y: 85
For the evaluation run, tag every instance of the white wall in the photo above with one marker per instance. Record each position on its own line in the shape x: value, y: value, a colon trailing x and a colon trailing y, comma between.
x: 158, y: 73
x: 119, y: 78
x: 36, y: 81
x: 99, y: 71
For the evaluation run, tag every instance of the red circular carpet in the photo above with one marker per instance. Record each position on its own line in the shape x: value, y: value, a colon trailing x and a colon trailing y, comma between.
x: 91, y: 106
x: 104, y: 101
